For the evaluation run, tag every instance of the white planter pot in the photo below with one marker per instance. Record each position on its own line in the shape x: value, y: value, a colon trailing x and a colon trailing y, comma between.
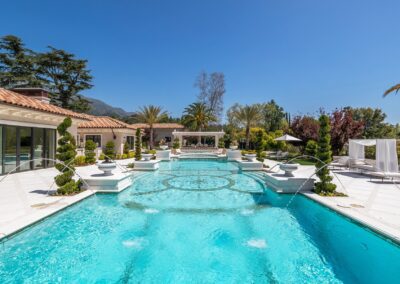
x: 147, y: 157
x: 107, y: 168
x: 164, y: 147
x: 251, y: 157
x: 289, y: 169
x: 233, y: 147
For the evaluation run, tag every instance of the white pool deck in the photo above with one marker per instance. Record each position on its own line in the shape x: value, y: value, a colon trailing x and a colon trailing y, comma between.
x: 24, y: 199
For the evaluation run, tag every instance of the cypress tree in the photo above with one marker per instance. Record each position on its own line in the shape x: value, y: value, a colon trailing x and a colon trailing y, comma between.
x: 66, y: 154
x: 138, y: 145
x: 324, y: 153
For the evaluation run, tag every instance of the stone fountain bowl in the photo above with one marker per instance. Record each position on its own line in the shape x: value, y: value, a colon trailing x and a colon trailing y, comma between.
x: 251, y: 157
x: 107, y: 168
x: 289, y: 169
x: 163, y: 147
x: 233, y: 147
x: 147, y: 157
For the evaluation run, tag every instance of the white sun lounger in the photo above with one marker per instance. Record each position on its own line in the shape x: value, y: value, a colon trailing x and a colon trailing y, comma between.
x: 383, y: 175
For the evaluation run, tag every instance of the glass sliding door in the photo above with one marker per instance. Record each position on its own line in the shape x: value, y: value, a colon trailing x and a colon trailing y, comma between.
x: 25, y: 148
x: 38, y: 147
x: 1, y: 149
x: 20, y: 145
x: 50, y: 147
x: 10, y: 148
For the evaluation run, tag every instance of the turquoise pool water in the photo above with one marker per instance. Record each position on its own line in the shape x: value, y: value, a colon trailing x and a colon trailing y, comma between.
x: 198, y: 222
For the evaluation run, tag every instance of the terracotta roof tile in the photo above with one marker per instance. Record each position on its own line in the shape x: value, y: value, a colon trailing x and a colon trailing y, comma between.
x: 104, y: 122
x: 13, y: 98
x: 171, y: 125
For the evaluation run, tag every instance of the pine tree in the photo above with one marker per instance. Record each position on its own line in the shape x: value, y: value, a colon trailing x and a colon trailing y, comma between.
x: 66, y: 154
x: 138, y: 145
x: 324, y: 153
x: 18, y: 65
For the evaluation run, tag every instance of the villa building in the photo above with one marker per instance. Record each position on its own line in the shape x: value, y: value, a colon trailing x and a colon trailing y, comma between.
x: 161, y: 130
x: 28, y: 125
x: 102, y: 129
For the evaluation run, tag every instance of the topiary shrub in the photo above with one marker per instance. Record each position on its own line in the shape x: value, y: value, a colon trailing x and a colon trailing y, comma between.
x: 80, y: 161
x: 311, y: 148
x: 90, y: 155
x: 66, y: 154
x: 324, y: 153
x: 138, y: 145
x: 176, y: 144
x: 221, y: 143
x: 260, y: 145
x: 109, y: 151
x: 102, y: 157
x: 126, y: 148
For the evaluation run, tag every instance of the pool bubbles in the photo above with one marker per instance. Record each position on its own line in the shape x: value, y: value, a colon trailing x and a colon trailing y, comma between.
x: 151, y: 211
x: 257, y: 243
x: 137, y: 243
x: 247, y: 212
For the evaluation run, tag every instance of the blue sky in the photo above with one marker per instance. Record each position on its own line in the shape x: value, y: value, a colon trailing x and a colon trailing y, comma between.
x: 304, y: 54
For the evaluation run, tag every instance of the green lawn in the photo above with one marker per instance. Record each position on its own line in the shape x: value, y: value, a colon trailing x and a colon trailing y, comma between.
x: 301, y: 161
x: 304, y: 162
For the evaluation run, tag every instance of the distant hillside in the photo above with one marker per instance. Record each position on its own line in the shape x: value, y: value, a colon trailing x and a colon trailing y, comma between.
x: 99, y: 107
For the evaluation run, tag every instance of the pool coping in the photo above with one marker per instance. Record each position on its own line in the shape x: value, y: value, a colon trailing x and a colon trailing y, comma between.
x: 17, y: 226
x: 372, y: 224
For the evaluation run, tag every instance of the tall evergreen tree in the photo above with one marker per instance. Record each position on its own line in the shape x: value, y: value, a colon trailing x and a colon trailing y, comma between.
x: 66, y: 154
x: 60, y: 72
x: 66, y: 76
x: 138, y: 145
x: 274, y: 116
x: 18, y: 65
x: 324, y: 153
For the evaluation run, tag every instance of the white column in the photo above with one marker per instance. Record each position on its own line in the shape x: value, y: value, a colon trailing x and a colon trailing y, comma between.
x: 216, y: 139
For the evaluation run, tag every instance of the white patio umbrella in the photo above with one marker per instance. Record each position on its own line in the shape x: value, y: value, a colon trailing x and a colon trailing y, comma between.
x: 287, y: 137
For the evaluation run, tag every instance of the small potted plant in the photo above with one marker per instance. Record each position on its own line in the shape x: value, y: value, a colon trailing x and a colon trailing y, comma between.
x: 234, y: 145
x: 163, y: 144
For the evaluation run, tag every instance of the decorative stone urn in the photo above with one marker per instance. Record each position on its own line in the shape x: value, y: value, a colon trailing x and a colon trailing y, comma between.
x: 289, y: 169
x: 233, y: 147
x: 147, y: 157
x: 164, y: 147
x: 251, y: 157
x: 107, y: 168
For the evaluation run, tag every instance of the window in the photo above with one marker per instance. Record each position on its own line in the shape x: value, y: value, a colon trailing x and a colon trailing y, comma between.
x: 95, y: 138
x: 167, y: 139
x: 130, y: 140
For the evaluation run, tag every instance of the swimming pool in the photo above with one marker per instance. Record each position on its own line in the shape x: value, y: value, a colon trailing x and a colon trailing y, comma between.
x: 198, y: 222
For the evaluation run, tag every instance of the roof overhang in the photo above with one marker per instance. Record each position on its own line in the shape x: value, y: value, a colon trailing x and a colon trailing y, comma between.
x: 198, y: 133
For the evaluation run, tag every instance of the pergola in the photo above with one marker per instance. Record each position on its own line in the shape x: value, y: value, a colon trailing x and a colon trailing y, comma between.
x: 181, y: 134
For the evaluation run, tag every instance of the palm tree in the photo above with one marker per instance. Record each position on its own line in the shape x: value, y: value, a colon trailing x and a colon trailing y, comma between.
x: 151, y: 114
x: 246, y: 116
x: 197, y: 116
x: 395, y: 88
